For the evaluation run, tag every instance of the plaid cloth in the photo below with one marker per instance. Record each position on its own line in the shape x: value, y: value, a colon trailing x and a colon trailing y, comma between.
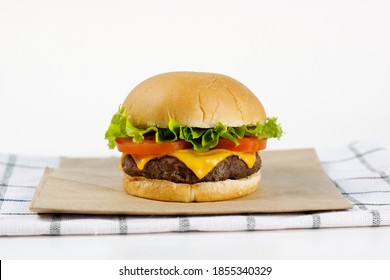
x: 360, y: 171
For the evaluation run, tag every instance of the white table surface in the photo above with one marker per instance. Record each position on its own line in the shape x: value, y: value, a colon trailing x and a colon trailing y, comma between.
x: 339, y: 243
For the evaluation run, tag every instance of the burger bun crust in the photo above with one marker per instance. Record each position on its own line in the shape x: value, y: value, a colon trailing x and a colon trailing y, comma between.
x: 201, y: 192
x: 193, y: 99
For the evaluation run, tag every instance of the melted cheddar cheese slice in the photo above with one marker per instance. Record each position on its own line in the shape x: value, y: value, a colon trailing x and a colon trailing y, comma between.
x: 201, y: 163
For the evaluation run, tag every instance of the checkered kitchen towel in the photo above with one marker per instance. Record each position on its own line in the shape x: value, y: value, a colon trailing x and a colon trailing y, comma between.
x: 361, y: 171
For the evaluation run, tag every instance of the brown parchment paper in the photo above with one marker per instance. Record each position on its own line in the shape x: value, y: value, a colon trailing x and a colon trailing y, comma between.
x: 292, y: 181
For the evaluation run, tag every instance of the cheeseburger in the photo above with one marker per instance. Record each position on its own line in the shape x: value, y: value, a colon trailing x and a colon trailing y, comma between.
x: 191, y: 137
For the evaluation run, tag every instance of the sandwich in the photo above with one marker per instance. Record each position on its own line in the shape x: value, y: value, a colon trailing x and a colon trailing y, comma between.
x: 191, y: 137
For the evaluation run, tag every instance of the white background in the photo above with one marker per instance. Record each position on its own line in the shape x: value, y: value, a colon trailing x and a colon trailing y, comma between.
x: 322, y: 67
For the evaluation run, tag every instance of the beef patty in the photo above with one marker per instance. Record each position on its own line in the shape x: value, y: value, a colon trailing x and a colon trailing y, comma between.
x: 171, y: 169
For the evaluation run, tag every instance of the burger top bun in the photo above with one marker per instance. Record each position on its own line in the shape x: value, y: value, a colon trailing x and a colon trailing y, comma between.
x: 193, y: 99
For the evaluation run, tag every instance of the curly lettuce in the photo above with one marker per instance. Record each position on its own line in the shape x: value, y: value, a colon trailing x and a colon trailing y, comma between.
x: 201, y: 139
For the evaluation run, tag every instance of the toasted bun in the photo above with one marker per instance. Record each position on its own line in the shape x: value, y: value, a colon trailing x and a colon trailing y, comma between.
x: 200, y: 192
x: 193, y: 99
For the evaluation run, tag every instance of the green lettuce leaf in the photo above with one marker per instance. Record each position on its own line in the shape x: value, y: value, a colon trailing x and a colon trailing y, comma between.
x: 201, y: 139
x: 117, y: 127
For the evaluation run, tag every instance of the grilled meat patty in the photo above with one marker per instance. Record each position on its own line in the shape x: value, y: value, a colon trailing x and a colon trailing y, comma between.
x: 171, y: 169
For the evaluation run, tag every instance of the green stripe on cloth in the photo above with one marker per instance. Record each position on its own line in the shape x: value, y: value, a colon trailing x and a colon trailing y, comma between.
x: 184, y: 224
x: 9, y: 168
x: 350, y: 197
x: 371, y: 168
x: 55, y: 225
x: 376, y: 218
x: 250, y: 222
x: 122, y: 225
x: 316, y: 221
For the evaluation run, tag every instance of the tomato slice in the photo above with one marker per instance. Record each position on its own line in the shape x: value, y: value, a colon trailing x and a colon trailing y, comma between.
x: 149, y: 146
x: 247, y: 144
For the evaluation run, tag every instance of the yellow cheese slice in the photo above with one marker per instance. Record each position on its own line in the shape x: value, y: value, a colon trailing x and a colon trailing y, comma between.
x: 201, y: 163
x: 141, y: 160
x: 122, y: 158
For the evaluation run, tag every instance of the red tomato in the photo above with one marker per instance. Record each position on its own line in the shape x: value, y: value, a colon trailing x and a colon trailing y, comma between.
x: 149, y: 146
x: 247, y: 144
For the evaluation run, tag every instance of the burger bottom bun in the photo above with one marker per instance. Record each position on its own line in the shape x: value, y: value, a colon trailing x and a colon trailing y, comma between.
x: 200, y: 192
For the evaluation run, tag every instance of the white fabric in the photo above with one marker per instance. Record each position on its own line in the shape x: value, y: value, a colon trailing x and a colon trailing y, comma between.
x: 361, y: 171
